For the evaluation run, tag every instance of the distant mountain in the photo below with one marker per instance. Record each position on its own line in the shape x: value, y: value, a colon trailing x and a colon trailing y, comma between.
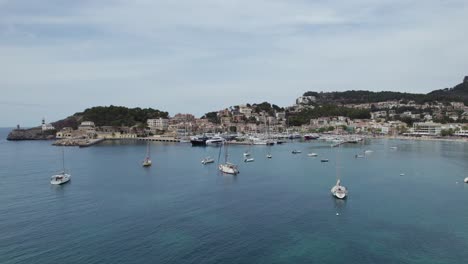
x: 459, y: 93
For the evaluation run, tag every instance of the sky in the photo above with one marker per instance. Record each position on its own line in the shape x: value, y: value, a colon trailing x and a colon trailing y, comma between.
x: 60, y: 57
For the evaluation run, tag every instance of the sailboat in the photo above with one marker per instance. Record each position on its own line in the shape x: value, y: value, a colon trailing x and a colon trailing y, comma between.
x: 227, y: 167
x: 338, y: 190
x: 247, y: 152
x: 147, y: 161
x: 62, y: 177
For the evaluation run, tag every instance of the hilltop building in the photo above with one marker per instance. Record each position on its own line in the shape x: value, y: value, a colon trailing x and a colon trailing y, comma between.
x: 158, y: 124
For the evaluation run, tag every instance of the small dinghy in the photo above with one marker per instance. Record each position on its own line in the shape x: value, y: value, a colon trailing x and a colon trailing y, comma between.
x: 312, y: 154
x: 207, y: 160
x: 358, y: 156
x: 296, y: 151
x: 249, y: 160
x: 324, y: 160
x: 269, y: 156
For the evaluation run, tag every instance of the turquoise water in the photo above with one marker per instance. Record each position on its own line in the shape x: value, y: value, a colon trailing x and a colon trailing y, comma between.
x: 274, y: 211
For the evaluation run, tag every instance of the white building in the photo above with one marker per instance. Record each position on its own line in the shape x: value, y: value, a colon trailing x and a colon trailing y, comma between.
x: 462, y: 133
x: 87, y: 126
x: 245, y: 110
x: 158, y: 124
x: 427, y: 128
x: 305, y: 100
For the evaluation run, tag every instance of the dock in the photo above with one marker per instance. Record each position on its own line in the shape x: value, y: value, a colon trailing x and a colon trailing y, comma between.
x: 160, y: 139
x: 77, y: 142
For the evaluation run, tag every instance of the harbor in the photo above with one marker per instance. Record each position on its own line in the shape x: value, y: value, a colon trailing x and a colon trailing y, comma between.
x: 184, y: 205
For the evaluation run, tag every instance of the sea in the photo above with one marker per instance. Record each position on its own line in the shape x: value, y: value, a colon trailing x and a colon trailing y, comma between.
x: 405, y: 205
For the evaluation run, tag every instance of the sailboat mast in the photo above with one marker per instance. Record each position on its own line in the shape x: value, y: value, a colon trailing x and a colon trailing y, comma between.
x: 225, y: 152
x: 63, y: 159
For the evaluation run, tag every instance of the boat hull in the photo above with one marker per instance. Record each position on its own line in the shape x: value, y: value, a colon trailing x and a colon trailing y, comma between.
x: 60, y: 179
x: 339, y: 192
x: 224, y: 168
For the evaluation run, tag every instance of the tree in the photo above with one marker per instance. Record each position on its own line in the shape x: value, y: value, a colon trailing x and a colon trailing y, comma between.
x: 446, y: 132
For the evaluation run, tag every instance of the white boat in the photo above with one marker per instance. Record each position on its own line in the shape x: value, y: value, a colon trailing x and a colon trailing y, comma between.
x: 368, y: 151
x: 246, y: 154
x: 249, y: 159
x: 393, y: 147
x: 227, y: 167
x: 62, y: 177
x: 296, y: 151
x: 269, y: 156
x: 147, y: 161
x: 312, y: 154
x: 215, y: 140
x: 466, y: 180
x: 339, y: 191
x: 207, y: 160
x: 359, y: 156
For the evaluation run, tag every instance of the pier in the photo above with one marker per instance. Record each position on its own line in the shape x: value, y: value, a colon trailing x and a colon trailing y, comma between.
x: 160, y: 139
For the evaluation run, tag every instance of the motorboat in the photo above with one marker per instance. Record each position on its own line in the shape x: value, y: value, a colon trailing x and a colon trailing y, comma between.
x: 466, y: 180
x: 296, y: 151
x: 368, y: 151
x: 312, y: 154
x: 358, y: 156
x: 207, y: 160
x: 60, y: 178
x: 198, y: 140
x: 324, y: 160
x: 249, y: 159
x: 269, y: 156
x: 215, y: 140
x: 246, y: 154
x: 339, y: 191
x: 394, y: 148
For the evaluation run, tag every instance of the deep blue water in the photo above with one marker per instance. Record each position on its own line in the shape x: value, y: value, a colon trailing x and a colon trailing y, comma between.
x: 274, y: 211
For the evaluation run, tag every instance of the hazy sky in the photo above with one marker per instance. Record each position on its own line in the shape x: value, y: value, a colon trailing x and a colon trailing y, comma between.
x: 58, y: 57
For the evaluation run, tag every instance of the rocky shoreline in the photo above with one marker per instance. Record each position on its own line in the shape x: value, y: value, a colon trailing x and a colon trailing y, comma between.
x: 30, y: 134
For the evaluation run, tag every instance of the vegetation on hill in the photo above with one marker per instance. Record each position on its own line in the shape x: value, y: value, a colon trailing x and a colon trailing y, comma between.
x: 212, y: 117
x: 119, y: 115
x: 459, y: 93
x: 304, y: 116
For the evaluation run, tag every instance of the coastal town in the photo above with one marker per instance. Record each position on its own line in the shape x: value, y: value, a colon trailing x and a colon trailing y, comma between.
x: 386, y: 119
x: 440, y: 114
